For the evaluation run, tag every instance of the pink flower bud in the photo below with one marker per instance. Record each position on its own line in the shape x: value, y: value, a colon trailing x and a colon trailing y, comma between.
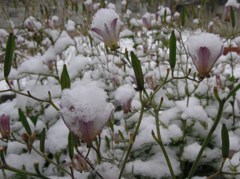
x: 106, y: 26
x: 5, y: 126
x: 204, y: 49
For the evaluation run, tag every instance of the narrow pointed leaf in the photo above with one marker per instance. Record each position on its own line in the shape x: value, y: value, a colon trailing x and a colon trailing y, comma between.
x: 71, y: 145
x: 65, y: 79
x: 183, y: 15
x: 172, y: 50
x: 24, y: 121
x: 121, y: 135
x: 42, y: 140
x: 137, y: 71
x: 165, y: 16
x: 107, y: 142
x: 83, y: 9
x: 233, y: 19
x: 225, y: 141
x: 102, y: 4
x: 9, y: 55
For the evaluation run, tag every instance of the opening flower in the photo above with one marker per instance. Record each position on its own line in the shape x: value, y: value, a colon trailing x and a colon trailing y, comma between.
x: 204, y: 49
x: 85, y: 111
x: 106, y: 26
x: 5, y: 126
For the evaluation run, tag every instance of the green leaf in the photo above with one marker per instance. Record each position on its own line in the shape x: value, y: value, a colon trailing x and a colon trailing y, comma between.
x: 107, y: 142
x: 65, y: 79
x: 225, y: 141
x: 83, y: 9
x: 232, y: 17
x: 71, y: 144
x: 76, y: 7
x: 9, y: 55
x: 15, y: 4
x: 121, y: 135
x: 183, y: 15
x: 24, y: 121
x: 172, y: 50
x: 42, y: 140
x: 102, y: 4
x: 165, y: 16
x: 34, y: 119
x: 137, y: 71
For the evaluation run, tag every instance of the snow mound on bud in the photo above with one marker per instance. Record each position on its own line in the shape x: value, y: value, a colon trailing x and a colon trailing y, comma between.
x: 124, y: 93
x: 104, y: 17
x: 85, y: 102
x: 204, y: 39
x: 232, y: 3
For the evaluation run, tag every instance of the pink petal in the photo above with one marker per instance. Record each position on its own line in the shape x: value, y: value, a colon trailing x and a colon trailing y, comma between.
x: 113, y: 25
x: 99, y: 33
x: 87, y: 130
x: 204, y: 61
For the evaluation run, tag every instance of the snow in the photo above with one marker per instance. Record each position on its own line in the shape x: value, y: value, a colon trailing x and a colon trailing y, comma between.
x: 124, y: 93
x: 233, y: 3
x: 108, y: 170
x: 154, y: 166
x: 191, y: 151
x: 33, y: 66
x: 56, y: 137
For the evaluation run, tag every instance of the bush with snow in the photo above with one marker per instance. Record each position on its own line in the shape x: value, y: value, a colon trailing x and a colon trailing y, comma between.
x: 161, y: 101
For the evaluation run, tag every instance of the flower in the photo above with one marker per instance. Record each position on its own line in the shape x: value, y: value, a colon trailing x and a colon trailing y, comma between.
x: 147, y: 20
x: 204, y: 49
x: 5, y: 126
x: 106, y: 26
x: 85, y: 111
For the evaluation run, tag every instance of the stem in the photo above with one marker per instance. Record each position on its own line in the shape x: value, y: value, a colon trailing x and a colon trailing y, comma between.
x: 21, y: 172
x: 43, y: 156
x: 51, y: 161
x: 134, y: 135
x: 216, y: 121
x: 158, y: 139
x: 207, y: 139
x: 28, y: 94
